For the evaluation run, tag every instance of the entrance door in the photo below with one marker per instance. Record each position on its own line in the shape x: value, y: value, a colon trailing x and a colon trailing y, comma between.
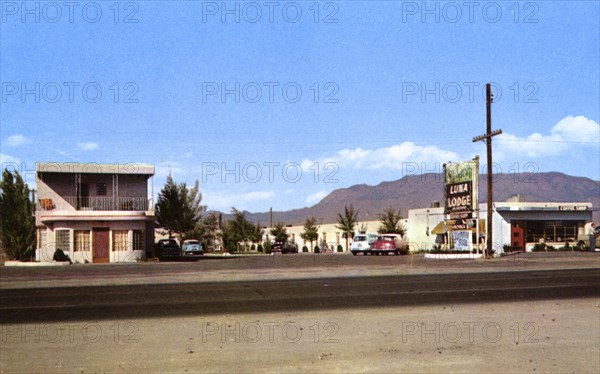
x: 517, y: 233
x: 100, y: 244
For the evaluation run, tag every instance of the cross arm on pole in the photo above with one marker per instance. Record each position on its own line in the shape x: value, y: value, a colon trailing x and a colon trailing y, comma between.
x: 487, y: 136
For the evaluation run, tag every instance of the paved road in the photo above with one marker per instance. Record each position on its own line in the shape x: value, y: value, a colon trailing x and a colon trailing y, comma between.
x: 205, y: 298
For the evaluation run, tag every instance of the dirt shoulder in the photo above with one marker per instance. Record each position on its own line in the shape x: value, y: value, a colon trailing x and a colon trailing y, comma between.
x: 279, y: 267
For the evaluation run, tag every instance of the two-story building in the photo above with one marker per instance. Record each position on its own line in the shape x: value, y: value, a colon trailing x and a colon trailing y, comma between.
x: 94, y: 212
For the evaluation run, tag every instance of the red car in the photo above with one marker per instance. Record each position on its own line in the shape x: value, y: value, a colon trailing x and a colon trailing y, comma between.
x: 389, y: 243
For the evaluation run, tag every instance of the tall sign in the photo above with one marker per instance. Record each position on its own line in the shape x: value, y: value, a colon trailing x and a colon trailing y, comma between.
x: 461, y: 183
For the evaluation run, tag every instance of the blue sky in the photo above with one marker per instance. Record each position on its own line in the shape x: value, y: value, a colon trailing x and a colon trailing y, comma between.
x: 276, y: 104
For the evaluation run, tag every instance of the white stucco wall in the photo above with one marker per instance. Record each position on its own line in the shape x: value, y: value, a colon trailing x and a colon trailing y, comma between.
x: 45, y: 252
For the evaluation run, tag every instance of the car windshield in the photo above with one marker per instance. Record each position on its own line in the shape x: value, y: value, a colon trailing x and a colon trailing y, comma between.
x: 387, y: 238
x: 360, y: 238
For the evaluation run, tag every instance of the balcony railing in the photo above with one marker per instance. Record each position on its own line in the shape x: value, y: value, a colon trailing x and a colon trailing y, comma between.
x: 108, y: 203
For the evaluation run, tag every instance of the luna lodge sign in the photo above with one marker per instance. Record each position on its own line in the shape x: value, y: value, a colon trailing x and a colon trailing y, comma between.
x: 460, y: 181
x: 459, y: 198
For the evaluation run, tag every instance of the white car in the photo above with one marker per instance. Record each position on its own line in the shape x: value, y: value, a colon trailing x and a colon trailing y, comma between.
x: 362, y: 243
x: 191, y: 247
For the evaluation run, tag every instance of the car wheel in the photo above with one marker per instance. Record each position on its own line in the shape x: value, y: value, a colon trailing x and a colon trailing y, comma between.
x: 354, y: 253
x: 396, y: 253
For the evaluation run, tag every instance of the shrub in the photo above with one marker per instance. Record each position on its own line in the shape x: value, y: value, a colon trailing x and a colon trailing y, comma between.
x: 304, y: 249
x: 267, y: 248
x: 60, y: 256
x: 317, y: 249
x: 340, y: 248
x: 253, y: 248
x: 539, y: 247
x: 259, y: 249
x: 511, y: 248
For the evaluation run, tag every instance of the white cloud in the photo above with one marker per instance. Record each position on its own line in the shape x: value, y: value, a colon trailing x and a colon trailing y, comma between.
x: 224, y: 200
x: 17, y: 140
x: 87, y: 146
x: 387, y: 158
x: 567, y: 133
x: 314, y: 198
x: 6, y: 160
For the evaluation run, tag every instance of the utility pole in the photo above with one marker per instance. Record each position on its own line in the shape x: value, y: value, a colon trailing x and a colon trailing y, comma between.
x: 488, y: 139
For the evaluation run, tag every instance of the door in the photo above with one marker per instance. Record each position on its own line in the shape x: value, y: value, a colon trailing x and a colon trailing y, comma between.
x: 100, y: 244
x: 517, y: 233
x: 84, y: 196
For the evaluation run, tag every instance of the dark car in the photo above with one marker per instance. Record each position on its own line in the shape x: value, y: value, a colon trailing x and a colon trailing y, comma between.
x: 281, y: 247
x: 167, y: 248
x: 389, y: 243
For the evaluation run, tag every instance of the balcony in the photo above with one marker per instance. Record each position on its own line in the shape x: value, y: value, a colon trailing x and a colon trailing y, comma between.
x: 101, y: 203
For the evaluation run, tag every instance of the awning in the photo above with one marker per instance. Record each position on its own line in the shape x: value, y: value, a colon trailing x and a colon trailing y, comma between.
x: 445, y: 226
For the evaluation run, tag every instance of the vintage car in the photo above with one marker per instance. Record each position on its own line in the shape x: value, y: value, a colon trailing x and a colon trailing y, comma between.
x: 167, y: 248
x: 362, y: 243
x: 281, y: 247
x: 389, y: 243
x: 192, y: 247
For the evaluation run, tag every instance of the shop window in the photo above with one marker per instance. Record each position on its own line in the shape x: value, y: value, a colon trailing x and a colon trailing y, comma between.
x: 100, y: 189
x: 63, y: 240
x: 120, y: 240
x: 138, y: 240
x: 82, y: 240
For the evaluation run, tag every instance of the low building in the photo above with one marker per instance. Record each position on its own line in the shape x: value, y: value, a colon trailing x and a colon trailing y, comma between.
x: 329, y: 235
x: 94, y: 212
x: 516, y: 225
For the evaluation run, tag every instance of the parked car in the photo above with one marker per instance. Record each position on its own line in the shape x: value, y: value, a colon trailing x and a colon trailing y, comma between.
x: 281, y: 247
x: 167, y: 248
x: 192, y: 247
x: 389, y: 243
x: 362, y: 243
x: 583, y: 239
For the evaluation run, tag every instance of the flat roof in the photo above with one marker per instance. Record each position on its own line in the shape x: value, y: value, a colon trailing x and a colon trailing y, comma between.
x: 95, y: 168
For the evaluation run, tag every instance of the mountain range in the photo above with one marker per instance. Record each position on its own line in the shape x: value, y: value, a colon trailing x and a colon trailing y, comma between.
x: 420, y: 191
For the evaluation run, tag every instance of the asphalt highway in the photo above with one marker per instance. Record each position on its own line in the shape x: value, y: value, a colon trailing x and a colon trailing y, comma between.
x: 110, y: 302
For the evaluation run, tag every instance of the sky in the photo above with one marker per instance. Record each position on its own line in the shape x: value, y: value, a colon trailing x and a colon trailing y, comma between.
x: 278, y: 103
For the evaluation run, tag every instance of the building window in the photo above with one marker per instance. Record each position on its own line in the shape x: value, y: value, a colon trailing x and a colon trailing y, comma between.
x: 138, y: 240
x: 82, y: 240
x: 100, y: 189
x: 42, y: 238
x: 63, y: 240
x: 120, y: 240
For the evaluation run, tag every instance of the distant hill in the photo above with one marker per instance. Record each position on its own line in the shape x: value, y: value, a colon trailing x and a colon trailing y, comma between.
x: 419, y: 191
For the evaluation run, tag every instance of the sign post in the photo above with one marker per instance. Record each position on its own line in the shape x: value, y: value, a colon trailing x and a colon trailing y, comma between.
x: 461, y: 192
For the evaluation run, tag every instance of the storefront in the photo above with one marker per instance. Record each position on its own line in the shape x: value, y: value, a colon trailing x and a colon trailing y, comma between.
x: 551, y: 223
x: 515, y: 225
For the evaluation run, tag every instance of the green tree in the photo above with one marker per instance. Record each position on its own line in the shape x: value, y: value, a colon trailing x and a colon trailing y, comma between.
x: 192, y: 209
x: 238, y: 230
x: 179, y: 208
x: 347, y: 221
x: 210, y: 230
x: 391, y: 222
x: 207, y: 231
x: 17, y: 224
x: 168, y: 206
x: 280, y: 232
x: 257, y: 233
x: 311, y: 231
